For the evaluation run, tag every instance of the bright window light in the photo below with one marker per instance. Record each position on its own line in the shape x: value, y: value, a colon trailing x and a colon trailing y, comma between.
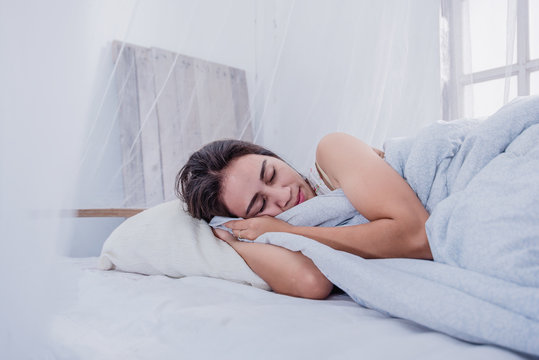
x: 488, y: 96
x: 534, y: 83
x: 534, y: 29
x: 488, y: 34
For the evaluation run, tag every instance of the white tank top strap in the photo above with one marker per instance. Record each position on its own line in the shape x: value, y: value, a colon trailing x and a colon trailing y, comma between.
x: 324, y: 176
x: 316, y: 179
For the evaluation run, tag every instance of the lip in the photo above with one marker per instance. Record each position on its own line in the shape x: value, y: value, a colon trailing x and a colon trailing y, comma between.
x: 301, y: 197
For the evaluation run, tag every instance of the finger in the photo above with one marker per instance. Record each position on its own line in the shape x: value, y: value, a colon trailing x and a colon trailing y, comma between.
x: 224, y: 236
x: 230, y: 224
x: 234, y: 224
x: 241, y: 234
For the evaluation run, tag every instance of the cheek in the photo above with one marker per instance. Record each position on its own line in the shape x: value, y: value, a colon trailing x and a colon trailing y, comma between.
x: 273, y: 211
x: 290, y: 176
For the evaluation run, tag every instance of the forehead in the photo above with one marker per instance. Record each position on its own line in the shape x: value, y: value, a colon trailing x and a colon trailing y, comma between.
x: 245, y: 166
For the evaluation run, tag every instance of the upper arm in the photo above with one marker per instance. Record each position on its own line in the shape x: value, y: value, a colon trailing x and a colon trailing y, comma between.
x: 371, y: 185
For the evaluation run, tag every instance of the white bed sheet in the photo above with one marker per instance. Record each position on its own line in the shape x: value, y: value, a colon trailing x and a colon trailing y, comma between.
x: 116, y: 315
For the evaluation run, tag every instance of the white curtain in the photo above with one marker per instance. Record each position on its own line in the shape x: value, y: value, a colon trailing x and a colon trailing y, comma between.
x: 367, y: 68
x: 41, y: 128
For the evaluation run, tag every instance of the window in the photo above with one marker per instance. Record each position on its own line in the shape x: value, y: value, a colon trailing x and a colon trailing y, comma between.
x: 489, y: 54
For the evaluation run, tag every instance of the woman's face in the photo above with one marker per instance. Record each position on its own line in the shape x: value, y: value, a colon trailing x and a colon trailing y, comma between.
x: 256, y: 185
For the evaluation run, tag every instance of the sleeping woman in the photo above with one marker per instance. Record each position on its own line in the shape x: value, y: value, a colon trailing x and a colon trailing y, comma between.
x: 240, y: 179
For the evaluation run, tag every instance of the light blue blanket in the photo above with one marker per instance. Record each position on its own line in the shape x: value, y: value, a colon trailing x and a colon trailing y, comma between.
x: 479, y: 180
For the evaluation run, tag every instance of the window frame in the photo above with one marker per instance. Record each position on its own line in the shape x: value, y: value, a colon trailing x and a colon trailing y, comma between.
x: 453, y: 78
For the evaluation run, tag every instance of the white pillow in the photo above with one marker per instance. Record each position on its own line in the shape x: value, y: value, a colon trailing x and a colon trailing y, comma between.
x: 166, y: 240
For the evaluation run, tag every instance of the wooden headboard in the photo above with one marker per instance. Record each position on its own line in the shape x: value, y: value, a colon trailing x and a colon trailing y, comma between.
x: 169, y: 106
x: 111, y: 212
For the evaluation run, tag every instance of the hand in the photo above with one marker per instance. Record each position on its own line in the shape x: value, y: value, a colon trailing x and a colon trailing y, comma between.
x: 225, y: 236
x: 252, y: 228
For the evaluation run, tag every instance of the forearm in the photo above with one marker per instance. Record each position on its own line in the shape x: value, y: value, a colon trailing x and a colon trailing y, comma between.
x: 384, y: 238
x: 285, y: 271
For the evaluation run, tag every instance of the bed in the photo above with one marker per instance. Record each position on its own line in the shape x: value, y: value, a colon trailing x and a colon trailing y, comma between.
x: 477, y: 179
x: 114, y: 315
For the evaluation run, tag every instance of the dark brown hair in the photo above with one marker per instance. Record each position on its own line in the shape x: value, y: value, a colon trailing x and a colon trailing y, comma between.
x: 198, y: 183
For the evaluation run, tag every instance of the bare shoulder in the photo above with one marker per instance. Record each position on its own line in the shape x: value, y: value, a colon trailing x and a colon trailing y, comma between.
x: 335, y: 150
x: 373, y: 187
x: 338, y: 141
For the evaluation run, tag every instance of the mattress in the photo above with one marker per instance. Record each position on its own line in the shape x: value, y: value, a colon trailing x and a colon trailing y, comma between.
x: 113, y: 315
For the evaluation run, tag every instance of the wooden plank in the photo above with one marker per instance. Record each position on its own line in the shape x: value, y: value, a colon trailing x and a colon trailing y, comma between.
x: 204, y: 100
x: 215, y: 102
x: 170, y: 136
x: 187, y: 135
x: 240, y: 98
x: 114, y: 212
x: 149, y: 134
x: 126, y: 79
x: 188, y: 110
x: 223, y: 120
x: 169, y: 115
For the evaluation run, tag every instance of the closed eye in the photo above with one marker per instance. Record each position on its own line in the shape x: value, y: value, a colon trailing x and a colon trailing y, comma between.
x: 272, y: 176
x: 263, y: 206
x: 263, y: 199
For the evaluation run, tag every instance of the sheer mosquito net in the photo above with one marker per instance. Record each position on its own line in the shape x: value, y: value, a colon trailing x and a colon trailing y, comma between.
x: 102, y: 102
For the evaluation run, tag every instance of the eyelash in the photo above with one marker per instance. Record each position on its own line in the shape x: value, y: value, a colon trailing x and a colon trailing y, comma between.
x: 264, y: 200
x: 263, y: 206
x: 272, y: 177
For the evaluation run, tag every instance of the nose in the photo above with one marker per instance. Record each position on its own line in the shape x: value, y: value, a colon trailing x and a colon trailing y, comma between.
x: 280, y: 196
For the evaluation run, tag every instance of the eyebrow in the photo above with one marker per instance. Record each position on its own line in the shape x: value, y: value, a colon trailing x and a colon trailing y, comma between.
x: 262, y: 173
